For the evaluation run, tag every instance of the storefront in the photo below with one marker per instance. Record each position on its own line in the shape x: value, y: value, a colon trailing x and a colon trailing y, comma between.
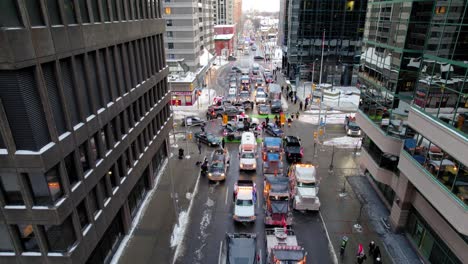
x: 182, y: 98
x: 183, y: 90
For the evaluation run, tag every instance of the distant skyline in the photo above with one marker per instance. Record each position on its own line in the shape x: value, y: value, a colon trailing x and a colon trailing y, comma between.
x: 261, y: 5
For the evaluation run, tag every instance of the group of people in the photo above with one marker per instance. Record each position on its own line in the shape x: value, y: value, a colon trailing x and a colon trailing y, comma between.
x: 374, y: 252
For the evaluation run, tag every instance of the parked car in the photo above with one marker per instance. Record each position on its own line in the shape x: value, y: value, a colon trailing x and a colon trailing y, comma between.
x: 273, y: 130
x: 208, y: 138
x: 232, y: 58
x: 237, y: 69
x: 263, y: 109
x: 219, y: 165
x: 276, y: 106
x: 258, y: 57
x: 292, y: 148
x: 192, y: 121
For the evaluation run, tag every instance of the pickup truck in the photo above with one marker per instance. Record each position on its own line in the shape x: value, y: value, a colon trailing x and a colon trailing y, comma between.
x: 239, y: 248
x: 292, y: 148
x: 282, y: 247
x: 245, y: 197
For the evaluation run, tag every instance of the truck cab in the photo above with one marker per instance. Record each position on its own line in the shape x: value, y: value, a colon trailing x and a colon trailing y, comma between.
x: 276, y: 194
x: 282, y: 247
x: 272, y: 156
x: 304, y: 187
x: 245, y: 197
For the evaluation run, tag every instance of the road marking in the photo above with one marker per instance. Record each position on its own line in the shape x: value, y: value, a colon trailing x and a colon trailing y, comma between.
x: 330, y: 245
x: 225, y: 199
x: 220, y: 249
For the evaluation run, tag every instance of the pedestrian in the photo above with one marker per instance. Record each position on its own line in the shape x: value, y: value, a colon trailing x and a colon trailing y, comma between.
x: 371, y: 248
x: 378, y: 260
x: 223, y: 142
x: 202, y: 128
x: 300, y: 105
x: 287, y: 89
x: 297, y: 115
x: 267, y: 120
x: 376, y: 253
x: 295, y: 99
x: 199, y: 146
x: 282, y: 89
x: 361, y: 255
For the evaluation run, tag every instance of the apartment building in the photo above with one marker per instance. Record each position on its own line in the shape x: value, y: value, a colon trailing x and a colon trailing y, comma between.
x: 306, y: 22
x: 84, y: 122
x: 237, y: 15
x: 189, y: 30
x: 413, y: 111
x: 224, y: 12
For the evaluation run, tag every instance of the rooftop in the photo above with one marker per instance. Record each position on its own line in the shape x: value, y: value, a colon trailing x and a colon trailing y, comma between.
x: 223, y: 37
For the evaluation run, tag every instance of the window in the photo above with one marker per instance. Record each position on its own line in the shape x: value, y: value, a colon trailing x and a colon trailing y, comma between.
x: 105, y: 10
x: 170, y: 45
x: 27, y: 237
x: 95, y: 151
x: 80, y: 70
x: 137, y: 194
x: 5, y: 240
x: 95, y: 11
x: 93, y: 202
x: 167, y: 10
x: 71, y: 169
x: 169, y: 34
x: 169, y: 22
x: 60, y: 237
x: 114, y: 10
x: 85, y: 165
x: 69, y: 91
x: 84, y: 11
x: 69, y: 8
x: 9, y: 14
x: 10, y: 188
x: 111, y: 174
x: 2, y: 143
x: 171, y: 56
x: 105, y: 140
x: 34, y: 12
x: 50, y: 80
x: 440, y: 10
x: 82, y: 214
x: 46, y: 189
x: 104, y: 189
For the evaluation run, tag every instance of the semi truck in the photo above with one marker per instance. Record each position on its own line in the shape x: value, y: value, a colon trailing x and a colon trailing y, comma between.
x: 282, y: 247
x: 276, y: 194
x: 304, y: 188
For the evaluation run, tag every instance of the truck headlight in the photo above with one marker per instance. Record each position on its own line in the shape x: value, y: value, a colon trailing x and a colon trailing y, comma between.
x: 222, y: 174
x: 209, y: 174
x: 349, y: 131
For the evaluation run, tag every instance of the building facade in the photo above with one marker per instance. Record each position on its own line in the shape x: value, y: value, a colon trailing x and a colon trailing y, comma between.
x: 84, y: 122
x: 224, y: 12
x: 307, y: 20
x: 189, y: 31
x: 413, y: 111
x: 225, y: 38
x: 237, y: 15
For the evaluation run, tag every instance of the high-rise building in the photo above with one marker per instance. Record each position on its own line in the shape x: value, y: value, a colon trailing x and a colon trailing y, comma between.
x: 84, y: 122
x: 283, y: 24
x: 224, y: 12
x: 237, y: 15
x: 307, y: 21
x: 189, y: 32
x: 413, y: 112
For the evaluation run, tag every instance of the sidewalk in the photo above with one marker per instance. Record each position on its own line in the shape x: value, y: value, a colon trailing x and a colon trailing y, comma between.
x: 151, y: 239
x: 360, y: 205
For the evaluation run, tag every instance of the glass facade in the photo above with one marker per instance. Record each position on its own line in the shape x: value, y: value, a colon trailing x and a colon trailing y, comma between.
x: 383, y: 160
x: 10, y: 188
x: 60, y: 237
x: 415, y: 59
x: 431, y: 247
x: 386, y: 190
x: 447, y: 170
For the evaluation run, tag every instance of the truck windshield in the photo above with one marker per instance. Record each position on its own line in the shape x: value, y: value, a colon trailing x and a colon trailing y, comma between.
x: 244, y: 202
x: 306, y: 185
x: 247, y: 156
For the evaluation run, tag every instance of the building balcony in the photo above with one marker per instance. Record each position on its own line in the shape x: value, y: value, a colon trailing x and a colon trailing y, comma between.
x: 388, y: 144
x: 451, y: 200
x: 380, y: 168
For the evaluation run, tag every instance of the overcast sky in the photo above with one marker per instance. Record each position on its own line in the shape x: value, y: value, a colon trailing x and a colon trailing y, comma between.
x: 261, y: 5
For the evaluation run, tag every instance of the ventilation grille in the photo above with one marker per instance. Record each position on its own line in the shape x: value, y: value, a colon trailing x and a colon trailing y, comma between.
x: 54, y: 97
x: 68, y: 90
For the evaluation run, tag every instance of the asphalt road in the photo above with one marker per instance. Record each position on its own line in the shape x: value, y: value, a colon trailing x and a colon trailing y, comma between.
x: 211, y: 213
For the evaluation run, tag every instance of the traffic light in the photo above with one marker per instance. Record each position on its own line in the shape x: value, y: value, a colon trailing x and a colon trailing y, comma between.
x: 225, y: 119
x: 321, y: 132
x: 189, y: 136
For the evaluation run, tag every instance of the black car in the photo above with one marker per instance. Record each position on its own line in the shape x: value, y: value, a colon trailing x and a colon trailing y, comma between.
x: 258, y: 57
x: 292, y: 148
x: 240, y: 248
x: 236, y: 69
x: 219, y: 111
x: 263, y: 109
x: 232, y: 58
x: 192, y: 121
x: 208, y: 138
x: 276, y: 106
x: 273, y: 130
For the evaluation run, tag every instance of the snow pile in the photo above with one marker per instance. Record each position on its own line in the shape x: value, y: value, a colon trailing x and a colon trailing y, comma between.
x: 179, y: 229
x: 344, y: 142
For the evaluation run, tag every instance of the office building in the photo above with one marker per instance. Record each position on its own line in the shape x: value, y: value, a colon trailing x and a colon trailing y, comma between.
x: 189, y: 31
x: 413, y: 112
x: 84, y: 122
x: 224, y: 12
x: 306, y: 21
x: 237, y: 16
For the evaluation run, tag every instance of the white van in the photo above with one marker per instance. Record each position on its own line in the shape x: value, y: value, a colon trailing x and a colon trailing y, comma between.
x: 248, y: 152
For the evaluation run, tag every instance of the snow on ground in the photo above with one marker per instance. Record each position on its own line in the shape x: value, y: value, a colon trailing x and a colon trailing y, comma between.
x: 330, y: 119
x: 219, y: 63
x: 344, y: 142
x: 204, y: 223
x: 179, y: 229
x: 140, y: 213
x: 347, y: 99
